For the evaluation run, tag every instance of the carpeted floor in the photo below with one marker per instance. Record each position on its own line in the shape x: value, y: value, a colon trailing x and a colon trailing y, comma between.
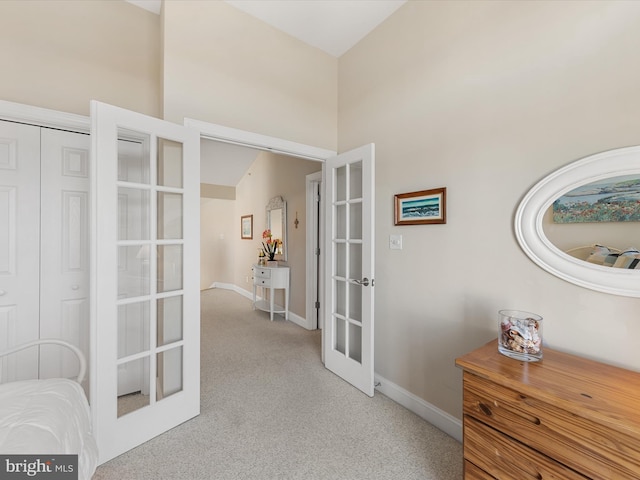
x: 270, y: 410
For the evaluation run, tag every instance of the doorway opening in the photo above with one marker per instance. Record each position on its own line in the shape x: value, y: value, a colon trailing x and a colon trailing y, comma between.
x: 311, y: 207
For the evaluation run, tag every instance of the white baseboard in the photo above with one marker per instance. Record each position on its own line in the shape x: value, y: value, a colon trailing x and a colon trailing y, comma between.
x: 297, y: 319
x: 432, y: 414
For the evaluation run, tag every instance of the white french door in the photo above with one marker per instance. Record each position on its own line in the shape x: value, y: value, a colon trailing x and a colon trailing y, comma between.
x: 145, y: 291
x: 349, y: 263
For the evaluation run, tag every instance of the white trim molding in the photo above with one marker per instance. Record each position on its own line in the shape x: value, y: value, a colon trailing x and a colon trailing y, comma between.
x: 244, y: 138
x: 430, y: 413
x: 43, y: 117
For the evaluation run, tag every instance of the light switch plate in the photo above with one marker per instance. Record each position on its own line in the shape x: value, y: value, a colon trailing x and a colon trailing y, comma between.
x: 395, y: 242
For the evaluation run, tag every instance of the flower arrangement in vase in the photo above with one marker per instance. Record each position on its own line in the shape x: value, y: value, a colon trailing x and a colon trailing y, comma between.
x: 269, y: 246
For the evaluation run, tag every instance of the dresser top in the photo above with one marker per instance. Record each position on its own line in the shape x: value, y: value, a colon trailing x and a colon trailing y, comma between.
x: 603, y: 393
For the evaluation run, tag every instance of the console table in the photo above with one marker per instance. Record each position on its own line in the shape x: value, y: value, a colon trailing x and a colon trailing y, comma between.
x: 271, y: 278
x: 565, y: 417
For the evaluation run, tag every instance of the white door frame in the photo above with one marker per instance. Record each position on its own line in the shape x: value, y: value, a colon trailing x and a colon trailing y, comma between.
x: 244, y: 138
x: 314, y: 282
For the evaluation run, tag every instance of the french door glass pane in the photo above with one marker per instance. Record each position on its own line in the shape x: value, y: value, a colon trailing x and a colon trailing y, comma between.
x: 341, y: 297
x: 355, y: 221
x: 341, y: 335
x: 355, y: 261
x: 355, y: 181
x: 169, y: 313
x: 341, y: 183
x: 341, y: 221
x: 341, y: 259
x: 133, y: 214
x: 138, y: 398
x: 133, y: 157
x: 169, y: 372
x: 355, y: 302
x: 133, y: 328
x: 355, y: 342
x: 169, y: 163
x: 169, y: 268
x: 169, y: 216
x: 133, y: 271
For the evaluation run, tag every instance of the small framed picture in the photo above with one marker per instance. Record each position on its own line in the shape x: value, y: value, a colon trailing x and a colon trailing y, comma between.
x: 246, y: 227
x: 421, y: 208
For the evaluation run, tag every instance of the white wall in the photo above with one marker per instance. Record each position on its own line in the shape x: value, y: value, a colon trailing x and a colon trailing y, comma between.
x: 486, y: 98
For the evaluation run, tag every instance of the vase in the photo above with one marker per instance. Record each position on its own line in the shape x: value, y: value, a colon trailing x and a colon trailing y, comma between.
x: 520, y: 335
x: 272, y: 263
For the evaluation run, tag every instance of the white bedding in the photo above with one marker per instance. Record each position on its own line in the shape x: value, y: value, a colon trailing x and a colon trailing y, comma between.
x: 47, y: 417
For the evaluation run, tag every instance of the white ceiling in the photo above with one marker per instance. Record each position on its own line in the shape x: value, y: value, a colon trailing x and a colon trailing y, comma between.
x: 333, y: 26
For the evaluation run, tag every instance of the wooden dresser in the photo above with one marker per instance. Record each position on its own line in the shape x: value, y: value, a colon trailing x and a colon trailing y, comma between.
x: 562, y: 418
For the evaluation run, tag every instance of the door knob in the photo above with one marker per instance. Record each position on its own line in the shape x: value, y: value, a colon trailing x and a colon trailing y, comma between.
x: 364, y: 282
x: 75, y: 287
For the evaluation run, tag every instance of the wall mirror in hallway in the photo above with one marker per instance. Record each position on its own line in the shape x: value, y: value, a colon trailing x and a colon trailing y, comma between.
x: 276, y: 215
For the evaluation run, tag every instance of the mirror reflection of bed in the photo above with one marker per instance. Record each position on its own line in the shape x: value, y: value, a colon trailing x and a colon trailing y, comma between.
x: 598, y: 243
x: 597, y: 205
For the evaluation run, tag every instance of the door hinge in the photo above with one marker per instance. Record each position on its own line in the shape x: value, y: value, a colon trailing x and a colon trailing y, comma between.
x: 317, y: 251
x: 318, y: 305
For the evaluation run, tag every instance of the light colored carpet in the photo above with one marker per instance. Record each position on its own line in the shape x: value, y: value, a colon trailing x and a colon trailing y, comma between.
x: 270, y: 410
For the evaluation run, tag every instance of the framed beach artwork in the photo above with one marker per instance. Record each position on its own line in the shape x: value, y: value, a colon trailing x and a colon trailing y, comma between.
x: 613, y: 199
x: 421, y: 208
x: 246, y: 227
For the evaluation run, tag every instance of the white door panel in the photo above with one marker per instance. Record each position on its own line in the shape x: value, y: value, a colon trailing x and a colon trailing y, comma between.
x: 349, y: 262
x: 19, y: 246
x: 146, y: 309
x: 64, y: 282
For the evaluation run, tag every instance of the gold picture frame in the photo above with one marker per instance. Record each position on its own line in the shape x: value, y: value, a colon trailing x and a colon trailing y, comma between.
x: 424, y: 207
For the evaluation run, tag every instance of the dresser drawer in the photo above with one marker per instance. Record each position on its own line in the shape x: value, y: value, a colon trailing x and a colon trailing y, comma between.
x: 262, y: 273
x: 583, y: 445
x: 502, y: 457
x: 471, y: 472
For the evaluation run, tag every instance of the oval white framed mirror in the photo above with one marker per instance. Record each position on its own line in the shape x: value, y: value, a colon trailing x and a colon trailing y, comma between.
x: 530, y: 232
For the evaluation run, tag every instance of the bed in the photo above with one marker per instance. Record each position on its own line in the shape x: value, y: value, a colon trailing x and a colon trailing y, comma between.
x: 628, y: 258
x: 49, y: 416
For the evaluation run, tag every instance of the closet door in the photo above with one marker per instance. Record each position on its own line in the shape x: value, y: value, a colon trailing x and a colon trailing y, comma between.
x: 64, y: 280
x: 19, y: 246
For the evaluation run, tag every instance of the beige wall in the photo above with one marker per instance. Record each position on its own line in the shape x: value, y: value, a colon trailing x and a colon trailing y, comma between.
x: 620, y: 235
x: 269, y: 176
x: 62, y: 54
x: 486, y: 98
x: 218, y: 241
x: 224, y: 66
